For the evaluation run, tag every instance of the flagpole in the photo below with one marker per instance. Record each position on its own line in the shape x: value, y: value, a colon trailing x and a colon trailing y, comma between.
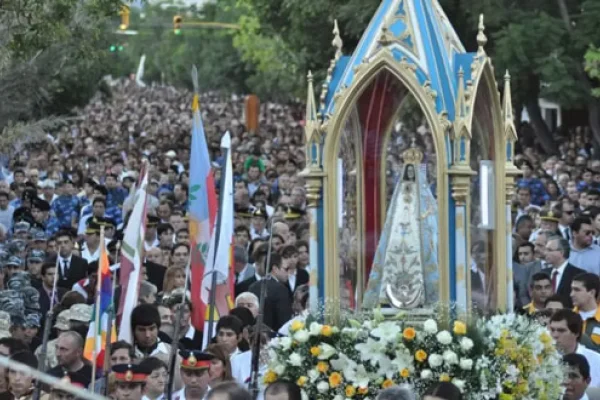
x: 47, y: 329
x: 213, y: 283
x: 111, y: 315
x: 177, y: 328
x: 97, y: 312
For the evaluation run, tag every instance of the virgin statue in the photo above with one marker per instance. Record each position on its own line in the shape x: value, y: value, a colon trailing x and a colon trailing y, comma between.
x: 405, y: 266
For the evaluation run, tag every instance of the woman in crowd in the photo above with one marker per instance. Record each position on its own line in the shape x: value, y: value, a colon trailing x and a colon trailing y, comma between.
x: 220, y: 366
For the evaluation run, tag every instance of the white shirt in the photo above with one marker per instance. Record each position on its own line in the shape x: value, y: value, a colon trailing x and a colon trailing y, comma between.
x: 593, y: 359
x: 585, y: 315
x: 180, y: 394
x: 292, y: 280
x: 241, y: 370
x: 89, y: 256
x: 61, y: 264
x: 561, y: 272
x: 564, y: 230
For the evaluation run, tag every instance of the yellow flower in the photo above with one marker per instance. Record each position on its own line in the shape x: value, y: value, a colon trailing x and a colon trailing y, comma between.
x: 505, y: 396
x: 326, y: 331
x: 335, y: 379
x: 270, y: 377
x: 315, y: 351
x: 409, y: 334
x: 350, y: 391
x: 420, y: 356
x: 363, y: 390
x: 405, y: 373
x: 322, y: 367
x: 297, y: 325
x: 387, y: 383
x: 545, y: 338
x: 444, y: 378
x: 302, y: 381
x: 460, y: 328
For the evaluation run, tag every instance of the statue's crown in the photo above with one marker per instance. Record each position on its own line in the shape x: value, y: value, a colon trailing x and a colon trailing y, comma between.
x: 412, y: 155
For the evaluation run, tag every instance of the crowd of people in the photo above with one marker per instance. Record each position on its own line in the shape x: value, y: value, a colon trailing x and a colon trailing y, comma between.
x: 56, y: 197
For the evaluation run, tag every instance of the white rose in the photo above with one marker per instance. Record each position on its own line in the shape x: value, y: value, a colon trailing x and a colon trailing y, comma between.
x: 313, y: 375
x: 285, y: 343
x: 304, y: 395
x: 426, y: 374
x: 430, y: 326
x: 444, y: 337
x: 296, y: 360
x: 450, y: 357
x: 323, y: 387
x: 459, y: 383
x: 466, y: 364
x: 315, y: 329
x: 301, y: 336
x: 279, y: 369
x: 435, y: 360
x: 466, y: 344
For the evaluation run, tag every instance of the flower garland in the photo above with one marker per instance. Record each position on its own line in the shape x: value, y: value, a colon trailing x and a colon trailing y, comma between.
x: 507, y: 357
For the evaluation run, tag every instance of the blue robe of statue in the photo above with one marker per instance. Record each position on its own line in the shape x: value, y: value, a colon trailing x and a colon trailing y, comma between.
x: 407, y: 253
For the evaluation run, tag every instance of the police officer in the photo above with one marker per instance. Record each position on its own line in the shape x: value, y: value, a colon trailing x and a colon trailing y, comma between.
x: 194, y: 374
x: 130, y: 381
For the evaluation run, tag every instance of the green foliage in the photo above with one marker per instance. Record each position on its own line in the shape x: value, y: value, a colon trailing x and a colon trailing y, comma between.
x: 592, y: 67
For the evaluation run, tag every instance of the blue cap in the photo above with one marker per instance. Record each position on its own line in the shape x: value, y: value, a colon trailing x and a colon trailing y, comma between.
x: 40, y: 236
x: 22, y: 226
x: 36, y: 255
x: 14, y: 260
x: 32, y: 321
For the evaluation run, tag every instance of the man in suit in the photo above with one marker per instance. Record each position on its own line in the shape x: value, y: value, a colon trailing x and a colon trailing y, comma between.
x: 71, y: 268
x: 260, y: 257
x: 278, y: 304
x: 243, y: 270
x: 296, y: 277
x: 45, y: 289
x: 561, y: 271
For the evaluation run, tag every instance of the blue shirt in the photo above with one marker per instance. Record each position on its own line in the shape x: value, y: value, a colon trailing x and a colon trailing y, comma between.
x: 539, y: 196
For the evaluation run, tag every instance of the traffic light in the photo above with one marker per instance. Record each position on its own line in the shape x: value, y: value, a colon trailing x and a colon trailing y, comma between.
x: 177, y: 24
x: 124, y: 13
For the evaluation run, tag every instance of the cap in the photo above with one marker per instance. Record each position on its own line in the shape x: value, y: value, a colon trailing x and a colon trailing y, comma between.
x: 195, y: 360
x: 47, y: 184
x: 40, y: 236
x: 550, y: 216
x: 260, y: 213
x: 80, y: 312
x: 152, y: 221
x: 93, y: 227
x: 17, y: 320
x: 32, y: 321
x: 22, y: 226
x: 293, y: 213
x: 171, y: 154
x: 62, y: 320
x: 130, y: 373
x: 36, y: 255
x: 14, y: 260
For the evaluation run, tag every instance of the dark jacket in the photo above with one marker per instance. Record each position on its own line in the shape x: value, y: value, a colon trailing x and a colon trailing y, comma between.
x: 78, y: 269
x: 278, y: 304
x: 564, y: 288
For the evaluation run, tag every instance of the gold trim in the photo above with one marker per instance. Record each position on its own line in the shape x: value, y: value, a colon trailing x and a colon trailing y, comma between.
x: 347, y: 97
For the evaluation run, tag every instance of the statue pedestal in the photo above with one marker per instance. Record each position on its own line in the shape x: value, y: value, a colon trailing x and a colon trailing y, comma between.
x: 415, y: 317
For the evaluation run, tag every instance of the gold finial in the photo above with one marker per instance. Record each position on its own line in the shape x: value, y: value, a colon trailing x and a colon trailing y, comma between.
x: 311, y: 107
x: 507, y: 109
x: 481, y: 38
x: 413, y: 155
x: 337, y: 40
x: 461, y: 105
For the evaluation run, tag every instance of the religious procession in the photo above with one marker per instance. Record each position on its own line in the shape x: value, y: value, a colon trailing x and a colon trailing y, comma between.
x: 375, y: 200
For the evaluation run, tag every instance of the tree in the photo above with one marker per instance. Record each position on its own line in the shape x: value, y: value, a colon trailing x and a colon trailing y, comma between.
x: 51, y: 59
x: 592, y: 66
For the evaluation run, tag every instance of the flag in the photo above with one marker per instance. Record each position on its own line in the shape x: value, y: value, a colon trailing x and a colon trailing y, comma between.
x: 131, y: 258
x: 96, y: 337
x: 202, y: 213
x: 223, y: 249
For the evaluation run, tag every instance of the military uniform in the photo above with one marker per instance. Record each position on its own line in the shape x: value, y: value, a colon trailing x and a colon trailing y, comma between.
x: 131, y: 374
x: 62, y: 324
x: 64, y: 209
x: 196, y: 362
x: 114, y: 204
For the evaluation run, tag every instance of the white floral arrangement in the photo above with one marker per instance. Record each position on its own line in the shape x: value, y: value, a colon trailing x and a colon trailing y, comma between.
x: 507, y: 357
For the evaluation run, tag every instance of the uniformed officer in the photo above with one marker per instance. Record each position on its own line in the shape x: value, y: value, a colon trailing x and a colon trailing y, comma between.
x: 194, y: 374
x: 130, y: 381
x: 61, y: 325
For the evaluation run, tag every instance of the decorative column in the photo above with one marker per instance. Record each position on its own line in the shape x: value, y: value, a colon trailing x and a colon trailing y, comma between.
x: 313, y: 175
x: 460, y: 180
x: 511, y: 172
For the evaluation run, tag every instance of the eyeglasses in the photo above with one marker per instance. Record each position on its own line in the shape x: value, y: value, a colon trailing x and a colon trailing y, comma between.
x: 568, y: 212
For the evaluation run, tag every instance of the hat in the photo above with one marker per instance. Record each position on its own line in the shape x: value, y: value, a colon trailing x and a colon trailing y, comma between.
x: 154, y: 181
x: 14, y: 260
x: 80, y: 312
x: 152, y: 221
x: 260, y: 213
x: 195, y: 360
x: 550, y: 216
x: 62, y: 320
x: 40, y: 236
x: 22, y: 226
x: 4, y: 324
x: 171, y: 154
x: 47, y: 184
x: 17, y: 320
x: 17, y: 246
x: 130, y: 373
x: 36, y: 255
x: 293, y: 213
x: 93, y: 227
x: 32, y: 321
